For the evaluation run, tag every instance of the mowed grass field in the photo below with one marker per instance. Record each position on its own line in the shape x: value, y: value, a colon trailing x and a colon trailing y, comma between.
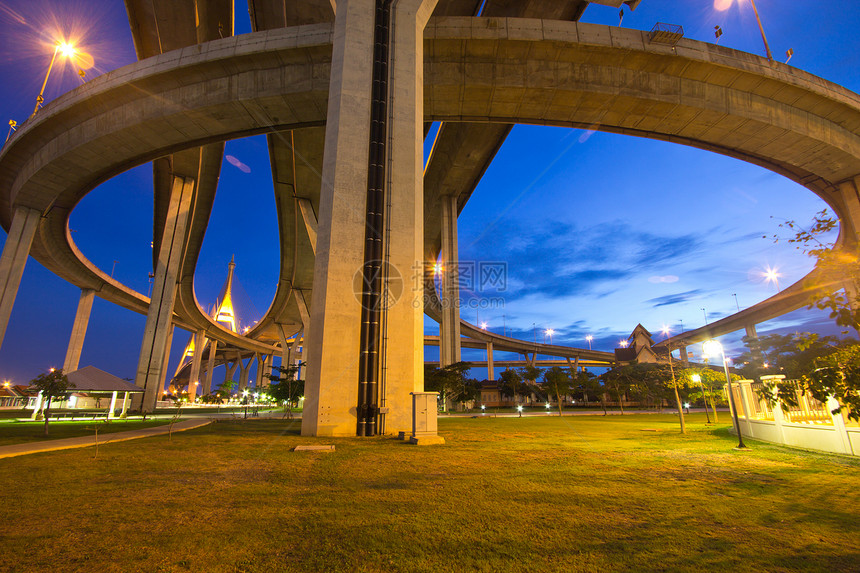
x: 12, y: 432
x: 585, y: 493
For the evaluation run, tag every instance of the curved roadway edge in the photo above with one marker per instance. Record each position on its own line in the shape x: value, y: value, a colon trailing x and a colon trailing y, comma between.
x: 792, y: 298
x: 478, y: 69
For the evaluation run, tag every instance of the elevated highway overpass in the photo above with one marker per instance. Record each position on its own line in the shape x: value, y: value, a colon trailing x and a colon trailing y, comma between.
x: 177, y: 107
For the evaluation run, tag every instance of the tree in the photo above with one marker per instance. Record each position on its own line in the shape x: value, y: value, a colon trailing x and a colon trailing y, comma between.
x: 558, y: 382
x: 529, y: 386
x: 470, y: 391
x: 53, y: 384
x: 835, y: 373
x: 709, y: 379
x: 225, y: 390
x: 509, y: 383
x: 619, y: 380
x: 449, y: 381
x: 835, y: 264
x: 285, y: 389
x: 783, y: 354
x: 589, y: 383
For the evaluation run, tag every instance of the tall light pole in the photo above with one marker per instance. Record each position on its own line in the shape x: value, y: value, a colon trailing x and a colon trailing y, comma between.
x: 549, y: 332
x: 761, y: 29
x: 589, y: 338
x: 712, y: 347
x: 697, y: 378
x: 725, y: 4
x: 68, y: 51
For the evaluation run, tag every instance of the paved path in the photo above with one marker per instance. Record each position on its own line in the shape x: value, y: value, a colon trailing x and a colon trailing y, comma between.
x: 86, y: 441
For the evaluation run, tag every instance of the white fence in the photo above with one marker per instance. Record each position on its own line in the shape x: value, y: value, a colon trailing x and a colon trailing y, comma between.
x: 810, y: 424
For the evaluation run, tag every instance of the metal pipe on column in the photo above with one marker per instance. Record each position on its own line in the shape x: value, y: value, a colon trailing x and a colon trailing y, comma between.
x: 371, y: 298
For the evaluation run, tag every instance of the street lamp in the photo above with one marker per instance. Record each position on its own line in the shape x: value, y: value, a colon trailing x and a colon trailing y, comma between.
x: 623, y: 343
x: 67, y: 50
x: 697, y: 378
x: 589, y: 338
x: 549, y: 332
x: 711, y: 348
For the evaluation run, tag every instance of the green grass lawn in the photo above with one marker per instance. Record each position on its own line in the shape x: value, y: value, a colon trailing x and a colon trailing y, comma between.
x: 587, y: 493
x: 13, y: 432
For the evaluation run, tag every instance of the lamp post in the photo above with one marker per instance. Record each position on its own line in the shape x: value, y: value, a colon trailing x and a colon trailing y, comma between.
x: 589, y: 338
x: 697, y: 378
x: 761, y: 29
x: 68, y: 51
x: 549, y: 332
x: 725, y: 4
x: 712, y: 347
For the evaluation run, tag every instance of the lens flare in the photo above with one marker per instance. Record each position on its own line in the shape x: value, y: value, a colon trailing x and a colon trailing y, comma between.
x: 722, y: 5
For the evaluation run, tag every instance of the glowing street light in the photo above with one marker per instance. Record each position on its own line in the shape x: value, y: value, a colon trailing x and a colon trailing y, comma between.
x: 770, y: 275
x: 712, y: 348
x: 589, y: 338
x: 548, y: 332
x: 623, y: 343
x: 67, y: 50
x: 483, y: 326
x: 665, y: 331
x: 722, y: 5
x: 520, y: 410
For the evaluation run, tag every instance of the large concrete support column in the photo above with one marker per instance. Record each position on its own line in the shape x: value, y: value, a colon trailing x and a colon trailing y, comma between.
x: 751, y: 333
x: 196, y: 362
x: 265, y: 382
x: 685, y: 358
x: 165, y: 362
x: 850, y: 192
x: 244, y: 372
x: 210, y: 367
x: 285, y: 346
x: 158, y: 319
x: 231, y: 370
x: 25, y: 222
x: 331, y: 392
x: 79, y: 330
x: 449, y: 328
x: 261, y: 371
x: 491, y: 368
x: 298, y: 356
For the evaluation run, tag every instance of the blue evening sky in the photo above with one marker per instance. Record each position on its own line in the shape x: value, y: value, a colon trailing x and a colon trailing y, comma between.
x: 599, y: 232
